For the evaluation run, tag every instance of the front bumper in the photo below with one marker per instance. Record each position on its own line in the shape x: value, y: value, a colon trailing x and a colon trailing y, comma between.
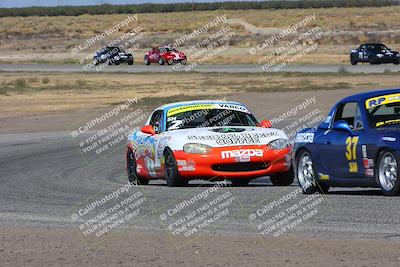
x: 387, y: 59
x: 216, y: 166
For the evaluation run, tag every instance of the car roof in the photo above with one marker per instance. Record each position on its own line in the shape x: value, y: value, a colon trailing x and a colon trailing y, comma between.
x: 364, y: 96
x: 193, y: 102
x: 373, y: 44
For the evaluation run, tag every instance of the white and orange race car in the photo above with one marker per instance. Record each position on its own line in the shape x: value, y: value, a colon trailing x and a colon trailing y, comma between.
x: 210, y: 140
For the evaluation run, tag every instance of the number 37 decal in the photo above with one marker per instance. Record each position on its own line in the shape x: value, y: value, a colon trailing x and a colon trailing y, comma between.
x: 351, y: 153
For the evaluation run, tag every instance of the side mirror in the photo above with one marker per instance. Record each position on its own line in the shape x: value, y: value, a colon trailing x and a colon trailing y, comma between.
x: 343, y: 126
x: 148, y: 129
x: 266, y: 124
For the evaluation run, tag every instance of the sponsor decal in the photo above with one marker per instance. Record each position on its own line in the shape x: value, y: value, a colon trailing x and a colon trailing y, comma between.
x: 371, y: 162
x: 389, y: 138
x: 324, y: 177
x: 366, y: 163
x: 369, y: 172
x: 304, y: 138
x: 242, y: 154
x: 234, y: 107
x: 386, y: 122
x: 181, y: 162
x: 382, y: 100
x: 239, y: 138
x: 364, y: 151
x: 186, y: 165
x: 182, y: 109
x: 139, y: 167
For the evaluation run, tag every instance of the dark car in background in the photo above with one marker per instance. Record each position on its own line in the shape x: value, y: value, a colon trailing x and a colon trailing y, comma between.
x: 374, y: 53
x: 112, y: 55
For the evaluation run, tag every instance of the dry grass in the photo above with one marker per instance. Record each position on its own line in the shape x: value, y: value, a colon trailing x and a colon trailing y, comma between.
x: 22, y: 38
x: 24, y: 93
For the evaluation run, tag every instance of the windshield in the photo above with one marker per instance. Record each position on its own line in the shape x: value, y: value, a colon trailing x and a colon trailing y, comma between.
x: 383, y: 110
x: 377, y: 47
x: 210, y: 118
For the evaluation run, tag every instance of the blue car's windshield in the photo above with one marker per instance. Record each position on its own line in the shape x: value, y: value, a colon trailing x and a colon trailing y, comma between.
x: 383, y: 115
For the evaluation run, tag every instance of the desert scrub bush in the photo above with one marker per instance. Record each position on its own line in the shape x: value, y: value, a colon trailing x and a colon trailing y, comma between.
x: 45, y: 80
x: 20, y: 83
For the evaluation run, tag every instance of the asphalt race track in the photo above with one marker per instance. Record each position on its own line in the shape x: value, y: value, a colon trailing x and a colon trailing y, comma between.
x: 48, y: 188
x: 43, y: 176
x: 238, y: 68
x: 44, y: 180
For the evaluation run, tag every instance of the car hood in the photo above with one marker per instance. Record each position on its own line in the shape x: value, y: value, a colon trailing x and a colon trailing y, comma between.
x: 223, y: 136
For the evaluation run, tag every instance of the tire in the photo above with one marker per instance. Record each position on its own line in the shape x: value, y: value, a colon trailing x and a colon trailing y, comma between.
x: 117, y: 62
x: 161, y: 61
x: 397, y: 62
x: 109, y: 62
x: 146, y: 60
x: 387, y: 173
x: 131, y: 168
x: 171, y: 170
x: 169, y: 62
x: 184, y: 62
x: 372, y: 61
x: 240, y: 182
x: 130, y: 61
x: 96, y: 62
x: 306, y: 174
x: 282, y: 178
x: 353, y: 62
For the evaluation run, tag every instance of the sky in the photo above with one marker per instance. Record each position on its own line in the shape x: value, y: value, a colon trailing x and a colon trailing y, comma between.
x: 24, y: 3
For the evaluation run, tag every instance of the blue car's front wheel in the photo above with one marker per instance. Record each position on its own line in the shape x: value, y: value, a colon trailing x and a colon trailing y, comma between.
x: 306, y: 174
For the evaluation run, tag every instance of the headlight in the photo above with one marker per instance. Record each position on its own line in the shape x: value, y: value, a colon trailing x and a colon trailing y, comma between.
x: 379, y: 55
x: 116, y: 57
x: 398, y: 55
x: 193, y: 148
x: 278, y: 144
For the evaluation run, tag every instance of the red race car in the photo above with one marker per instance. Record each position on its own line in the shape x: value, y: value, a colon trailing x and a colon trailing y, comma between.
x: 164, y: 54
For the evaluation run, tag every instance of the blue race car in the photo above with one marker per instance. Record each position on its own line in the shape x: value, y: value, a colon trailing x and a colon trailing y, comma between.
x: 358, y: 144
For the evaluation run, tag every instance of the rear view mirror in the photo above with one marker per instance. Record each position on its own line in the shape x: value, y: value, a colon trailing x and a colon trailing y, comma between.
x: 343, y: 126
x: 266, y: 124
x: 148, y: 129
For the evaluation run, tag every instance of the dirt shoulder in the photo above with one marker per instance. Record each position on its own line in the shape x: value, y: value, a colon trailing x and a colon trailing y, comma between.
x: 55, y: 247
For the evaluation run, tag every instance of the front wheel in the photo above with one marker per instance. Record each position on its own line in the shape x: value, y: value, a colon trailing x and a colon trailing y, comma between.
x: 146, y: 60
x: 396, y: 62
x: 130, y: 61
x: 353, y: 62
x: 387, y: 173
x: 372, y: 61
x: 171, y: 170
x: 282, y: 178
x: 133, y: 177
x: 306, y: 174
x: 161, y: 61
